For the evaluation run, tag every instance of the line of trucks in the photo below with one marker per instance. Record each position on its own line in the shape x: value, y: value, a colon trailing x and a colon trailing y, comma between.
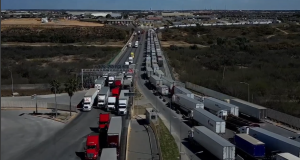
x: 112, y: 127
x: 110, y: 98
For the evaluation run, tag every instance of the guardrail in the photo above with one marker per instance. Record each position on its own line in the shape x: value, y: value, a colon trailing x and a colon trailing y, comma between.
x: 122, y: 50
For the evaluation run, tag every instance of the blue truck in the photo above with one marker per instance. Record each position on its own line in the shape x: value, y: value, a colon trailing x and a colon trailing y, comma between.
x: 250, y: 145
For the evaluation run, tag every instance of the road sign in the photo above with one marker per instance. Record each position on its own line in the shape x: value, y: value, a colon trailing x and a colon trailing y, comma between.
x: 129, y: 94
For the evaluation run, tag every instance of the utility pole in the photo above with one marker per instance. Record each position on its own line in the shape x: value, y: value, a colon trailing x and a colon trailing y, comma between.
x: 55, y: 102
x: 12, y: 82
x: 248, y: 90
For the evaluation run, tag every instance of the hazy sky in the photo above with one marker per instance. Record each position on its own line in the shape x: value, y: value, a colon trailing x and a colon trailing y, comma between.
x: 154, y: 4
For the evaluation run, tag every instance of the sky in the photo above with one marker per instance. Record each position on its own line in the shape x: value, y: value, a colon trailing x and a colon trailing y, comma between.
x: 154, y: 4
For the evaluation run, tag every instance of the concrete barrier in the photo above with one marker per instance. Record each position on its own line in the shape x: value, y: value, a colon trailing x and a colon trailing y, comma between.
x: 155, y: 129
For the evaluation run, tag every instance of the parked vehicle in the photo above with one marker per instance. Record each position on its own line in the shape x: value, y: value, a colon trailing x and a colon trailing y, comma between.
x: 114, y: 132
x: 199, y: 116
x: 250, y: 145
x: 123, y: 103
x: 275, y: 142
x: 109, y: 154
x: 250, y: 109
x: 168, y: 82
x: 182, y: 90
x: 99, y: 83
x: 103, y: 121
x: 215, y: 105
x: 92, y: 147
x: 286, y: 156
x: 111, y: 104
x: 89, y: 99
x: 163, y: 90
x: 155, y: 81
x: 218, y: 146
x: 184, y: 103
x: 103, y: 96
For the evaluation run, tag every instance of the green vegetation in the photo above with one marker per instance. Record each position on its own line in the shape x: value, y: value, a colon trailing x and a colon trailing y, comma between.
x: 32, y: 65
x: 168, y: 145
x: 270, y: 64
x: 63, y: 34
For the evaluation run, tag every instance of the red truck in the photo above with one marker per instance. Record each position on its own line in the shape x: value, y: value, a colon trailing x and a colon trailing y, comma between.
x: 114, y: 132
x: 115, y: 92
x: 103, y: 121
x: 92, y: 147
x: 118, y: 83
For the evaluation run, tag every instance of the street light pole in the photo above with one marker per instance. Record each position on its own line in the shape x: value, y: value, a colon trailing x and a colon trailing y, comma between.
x: 55, y: 102
x: 248, y: 90
x: 180, y: 138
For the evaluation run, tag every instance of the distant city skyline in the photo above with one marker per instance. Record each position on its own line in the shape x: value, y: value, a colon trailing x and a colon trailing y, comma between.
x: 154, y: 4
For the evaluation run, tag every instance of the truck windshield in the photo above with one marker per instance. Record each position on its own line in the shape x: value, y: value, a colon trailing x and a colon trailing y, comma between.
x: 91, y: 147
x: 102, y: 122
x: 122, y: 106
x: 111, y: 103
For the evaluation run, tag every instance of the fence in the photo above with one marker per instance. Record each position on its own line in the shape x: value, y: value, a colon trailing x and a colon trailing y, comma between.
x: 25, y: 86
x: 32, y: 104
x: 286, y: 119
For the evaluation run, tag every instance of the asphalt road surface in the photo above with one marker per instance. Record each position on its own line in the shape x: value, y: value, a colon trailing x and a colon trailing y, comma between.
x: 20, y: 131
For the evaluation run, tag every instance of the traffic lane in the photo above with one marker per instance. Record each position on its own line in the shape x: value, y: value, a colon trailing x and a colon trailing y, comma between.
x: 20, y: 131
x: 67, y: 143
x: 139, y: 144
x: 125, y: 56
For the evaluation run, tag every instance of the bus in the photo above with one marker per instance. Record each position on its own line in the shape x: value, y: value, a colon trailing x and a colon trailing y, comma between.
x: 136, y: 44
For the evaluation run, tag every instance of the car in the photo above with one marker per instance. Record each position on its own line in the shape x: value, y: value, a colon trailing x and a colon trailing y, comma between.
x: 126, y: 63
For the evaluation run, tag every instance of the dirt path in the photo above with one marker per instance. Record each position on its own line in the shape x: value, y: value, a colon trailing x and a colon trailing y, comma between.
x: 282, y: 31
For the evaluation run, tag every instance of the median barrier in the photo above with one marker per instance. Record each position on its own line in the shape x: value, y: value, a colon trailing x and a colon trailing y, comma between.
x: 121, y: 52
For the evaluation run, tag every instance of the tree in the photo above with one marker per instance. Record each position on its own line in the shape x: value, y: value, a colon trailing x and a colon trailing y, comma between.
x: 55, y: 88
x: 108, y: 16
x: 70, y: 87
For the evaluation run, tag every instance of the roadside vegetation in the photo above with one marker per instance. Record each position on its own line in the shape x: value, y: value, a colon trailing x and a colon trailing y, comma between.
x: 168, y: 145
x: 262, y: 56
x: 72, y: 34
x: 34, y: 65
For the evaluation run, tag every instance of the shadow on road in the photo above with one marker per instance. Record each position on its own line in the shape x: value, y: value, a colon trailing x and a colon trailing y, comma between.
x: 194, y: 148
x: 94, y: 129
x: 142, y: 121
x: 80, y: 155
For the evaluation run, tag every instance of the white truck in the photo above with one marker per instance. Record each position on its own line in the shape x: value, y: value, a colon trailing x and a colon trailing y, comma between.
x: 111, y: 80
x: 163, y: 90
x: 100, y: 82
x: 182, y: 90
x: 89, y: 99
x: 168, y: 82
x: 123, y: 102
x: 136, y: 44
x: 286, y: 156
x: 149, y: 71
x: 202, y: 117
x: 185, y: 103
x: 111, y: 104
x: 215, y: 105
x: 159, y: 73
x: 155, y: 81
x: 130, y: 60
x: 103, y: 96
x: 216, y: 145
x: 129, y: 44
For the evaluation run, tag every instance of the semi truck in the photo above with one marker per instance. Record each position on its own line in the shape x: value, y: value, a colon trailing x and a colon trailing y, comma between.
x: 250, y: 109
x: 111, y: 80
x: 182, y: 90
x: 114, y: 132
x: 103, y: 96
x: 184, y: 103
x: 160, y: 62
x: 123, y: 103
x: 115, y: 92
x: 249, y: 145
x: 159, y: 73
x: 149, y: 71
x: 286, y: 156
x: 215, y: 105
x: 111, y: 104
x: 168, y: 82
x: 89, y: 99
x: 216, y: 145
x: 199, y: 116
x: 155, y: 81
x: 109, y: 154
x: 275, y: 142
x: 103, y: 121
x: 163, y: 90
x: 92, y: 147
x: 99, y: 83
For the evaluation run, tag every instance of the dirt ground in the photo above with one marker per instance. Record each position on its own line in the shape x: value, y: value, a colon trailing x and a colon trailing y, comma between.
x: 178, y: 43
x: 7, y: 93
x: 107, y: 44
x: 56, y: 23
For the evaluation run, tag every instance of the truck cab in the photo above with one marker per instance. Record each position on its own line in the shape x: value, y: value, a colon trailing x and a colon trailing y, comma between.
x: 104, y: 121
x: 101, y: 100
x: 122, y: 107
x: 130, y: 59
x: 111, y: 80
x: 92, y: 147
x: 111, y: 104
x: 222, y: 114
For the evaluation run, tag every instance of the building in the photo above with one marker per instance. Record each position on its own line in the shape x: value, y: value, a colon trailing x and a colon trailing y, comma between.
x: 175, y: 14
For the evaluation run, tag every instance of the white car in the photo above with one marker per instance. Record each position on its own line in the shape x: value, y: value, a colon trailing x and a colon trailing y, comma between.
x: 129, y: 44
x: 126, y: 63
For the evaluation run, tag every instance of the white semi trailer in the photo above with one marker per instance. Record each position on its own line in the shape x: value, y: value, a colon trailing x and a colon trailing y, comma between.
x: 89, y: 99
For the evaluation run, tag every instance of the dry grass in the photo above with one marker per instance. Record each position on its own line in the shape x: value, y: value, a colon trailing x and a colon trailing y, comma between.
x: 37, y: 22
x: 177, y: 43
x: 95, y: 44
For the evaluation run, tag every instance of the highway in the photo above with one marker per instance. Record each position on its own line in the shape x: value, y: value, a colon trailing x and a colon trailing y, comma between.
x: 68, y: 143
